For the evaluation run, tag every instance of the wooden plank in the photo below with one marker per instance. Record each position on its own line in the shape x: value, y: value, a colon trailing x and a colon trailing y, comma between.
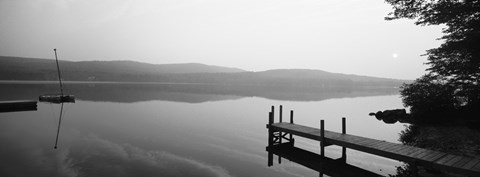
x: 476, y: 167
x: 434, y: 156
x: 403, y: 148
x: 471, y: 164
x: 360, y: 140
x: 366, y: 142
x: 445, y: 159
x: 412, y: 151
x: 385, y: 145
x: 375, y: 144
x: 299, y: 130
x: 381, y: 145
x: 408, y: 150
x: 462, y: 162
x: 424, y: 153
x: 347, y: 138
x: 453, y: 161
x: 412, y: 155
x: 394, y: 148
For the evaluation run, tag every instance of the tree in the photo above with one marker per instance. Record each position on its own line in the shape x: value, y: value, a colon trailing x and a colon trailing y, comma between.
x: 454, y: 67
x: 430, y: 100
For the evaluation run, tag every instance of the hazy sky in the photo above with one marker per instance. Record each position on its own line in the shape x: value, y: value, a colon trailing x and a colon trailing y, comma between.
x: 347, y: 36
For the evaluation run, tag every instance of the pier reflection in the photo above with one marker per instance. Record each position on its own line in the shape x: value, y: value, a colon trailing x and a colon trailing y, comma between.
x: 314, y: 161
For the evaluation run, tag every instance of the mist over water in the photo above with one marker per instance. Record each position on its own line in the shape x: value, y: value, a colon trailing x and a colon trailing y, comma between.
x: 179, y: 129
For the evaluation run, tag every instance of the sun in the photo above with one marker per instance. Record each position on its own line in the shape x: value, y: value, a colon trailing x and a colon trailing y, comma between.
x: 395, y: 55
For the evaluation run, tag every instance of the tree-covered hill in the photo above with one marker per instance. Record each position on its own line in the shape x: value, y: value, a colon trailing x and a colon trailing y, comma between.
x: 16, y: 68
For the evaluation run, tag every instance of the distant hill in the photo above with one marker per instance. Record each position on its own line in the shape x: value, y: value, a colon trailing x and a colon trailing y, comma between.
x: 135, y: 67
x: 36, y: 65
x: 319, y: 74
x: 16, y: 68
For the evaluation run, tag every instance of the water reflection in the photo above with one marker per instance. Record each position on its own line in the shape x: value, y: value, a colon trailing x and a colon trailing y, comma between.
x: 166, y: 130
x: 17, y: 106
x: 58, y: 129
x: 85, y: 150
x: 189, y: 93
x: 323, y: 165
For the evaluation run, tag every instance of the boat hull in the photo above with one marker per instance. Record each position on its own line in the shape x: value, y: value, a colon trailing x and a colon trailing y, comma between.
x: 57, y: 98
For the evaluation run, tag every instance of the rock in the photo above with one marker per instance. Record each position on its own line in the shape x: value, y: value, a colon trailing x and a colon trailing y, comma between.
x: 391, y: 116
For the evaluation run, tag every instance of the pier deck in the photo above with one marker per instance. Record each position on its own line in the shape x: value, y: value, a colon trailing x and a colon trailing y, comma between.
x: 416, y: 156
x: 423, y: 157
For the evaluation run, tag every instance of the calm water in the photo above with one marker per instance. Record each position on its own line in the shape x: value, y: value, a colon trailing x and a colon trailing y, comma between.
x: 178, y: 130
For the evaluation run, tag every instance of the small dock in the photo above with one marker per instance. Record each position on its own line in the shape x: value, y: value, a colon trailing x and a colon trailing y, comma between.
x: 18, y: 105
x: 409, y: 154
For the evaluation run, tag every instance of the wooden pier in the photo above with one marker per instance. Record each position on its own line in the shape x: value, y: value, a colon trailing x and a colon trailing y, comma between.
x: 18, y: 105
x: 409, y: 154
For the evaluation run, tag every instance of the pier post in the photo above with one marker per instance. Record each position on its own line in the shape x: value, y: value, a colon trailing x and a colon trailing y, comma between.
x: 270, y: 131
x: 270, y: 137
x: 279, y: 160
x: 270, y: 159
x: 281, y: 110
x: 344, y: 131
x: 322, y: 138
x: 280, y: 133
x: 291, y: 116
x: 273, y: 111
x: 292, y: 141
x: 414, y: 168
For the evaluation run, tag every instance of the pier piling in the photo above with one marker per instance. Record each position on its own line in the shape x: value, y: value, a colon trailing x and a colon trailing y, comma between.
x: 344, y: 131
x: 322, y: 138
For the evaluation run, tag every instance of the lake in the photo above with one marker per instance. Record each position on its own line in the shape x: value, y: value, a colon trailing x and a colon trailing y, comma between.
x: 116, y: 129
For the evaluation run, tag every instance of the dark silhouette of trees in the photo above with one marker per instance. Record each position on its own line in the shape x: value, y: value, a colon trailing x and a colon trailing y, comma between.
x: 452, y: 82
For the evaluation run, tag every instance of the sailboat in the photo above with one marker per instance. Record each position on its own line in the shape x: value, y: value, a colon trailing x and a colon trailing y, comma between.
x: 57, y: 98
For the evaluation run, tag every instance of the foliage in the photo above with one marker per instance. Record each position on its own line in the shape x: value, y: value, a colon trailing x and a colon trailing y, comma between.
x: 456, y: 140
x: 454, y: 67
x: 408, y: 135
x: 430, y: 99
x: 405, y: 170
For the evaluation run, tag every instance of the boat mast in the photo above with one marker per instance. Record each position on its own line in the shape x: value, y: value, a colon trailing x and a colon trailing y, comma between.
x: 58, y: 70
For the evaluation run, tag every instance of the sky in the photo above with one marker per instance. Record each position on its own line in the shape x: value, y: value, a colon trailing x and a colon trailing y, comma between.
x: 348, y: 36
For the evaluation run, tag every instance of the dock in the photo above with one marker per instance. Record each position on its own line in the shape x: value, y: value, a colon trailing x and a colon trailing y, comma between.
x: 18, y: 105
x: 415, y: 156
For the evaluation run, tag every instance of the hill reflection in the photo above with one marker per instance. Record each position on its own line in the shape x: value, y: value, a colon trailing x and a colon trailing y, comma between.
x: 190, y: 93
